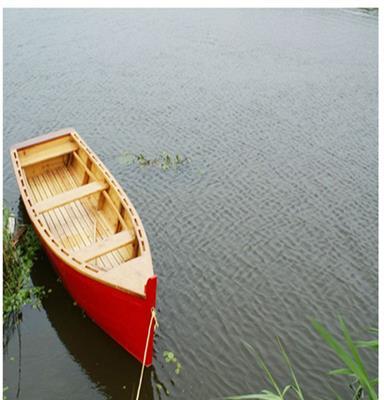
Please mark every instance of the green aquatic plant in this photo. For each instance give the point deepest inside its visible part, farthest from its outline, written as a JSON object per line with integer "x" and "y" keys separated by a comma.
{"x": 19, "y": 254}
{"x": 348, "y": 353}
{"x": 142, "y": 160}
{"x": 276, "y": 392}
{"x": 362, "y": 385}
{"x": 165, "y": 161}
{"x": 161, "y": 388}
{"x": 5, "y": 389}
{"x": 170, "y": 357}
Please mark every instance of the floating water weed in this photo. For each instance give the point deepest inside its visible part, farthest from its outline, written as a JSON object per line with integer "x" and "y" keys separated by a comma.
{"x": 169, "y": 357}
{"x": 165, "y": 161}
{"x": 160, "y": 387}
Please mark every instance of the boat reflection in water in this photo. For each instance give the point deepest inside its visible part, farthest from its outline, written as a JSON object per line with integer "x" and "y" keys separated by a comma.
{"x": 107, "y": 364}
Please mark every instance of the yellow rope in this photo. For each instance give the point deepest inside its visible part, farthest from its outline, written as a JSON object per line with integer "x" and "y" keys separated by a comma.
{"x": 153, "y": 318}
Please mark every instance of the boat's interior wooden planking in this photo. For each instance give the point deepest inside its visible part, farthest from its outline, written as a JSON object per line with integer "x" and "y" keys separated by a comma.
{"x": 83, "y": 211}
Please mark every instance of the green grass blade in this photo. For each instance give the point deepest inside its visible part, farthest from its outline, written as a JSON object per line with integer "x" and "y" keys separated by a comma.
{"x": 341, "y": 371}
{"x": 372, "y": 344}
{"x": 285, "y": 390}
{"x": 346, "y": 358}
{"x": 358, "y": 393}
{"x": 264, "y": 367}
{"x": 264, "y": 395}
{"x": 352, "y": 348}
{"x": 296, "y": 386}
{"x": 362, "y": 376}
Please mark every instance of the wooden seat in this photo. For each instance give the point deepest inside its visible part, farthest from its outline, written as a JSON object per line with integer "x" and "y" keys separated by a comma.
{"x": 70, "y": 196}
{"x": 44, "y": 154}
{"x": 104, "y": 246}
{"x": 131, "y": 275}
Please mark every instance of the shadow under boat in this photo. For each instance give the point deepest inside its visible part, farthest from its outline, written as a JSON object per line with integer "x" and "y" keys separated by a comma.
{"x": 107, "y": 364}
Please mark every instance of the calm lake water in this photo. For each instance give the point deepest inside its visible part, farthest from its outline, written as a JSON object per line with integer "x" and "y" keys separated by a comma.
{"x": 273, "y": 221}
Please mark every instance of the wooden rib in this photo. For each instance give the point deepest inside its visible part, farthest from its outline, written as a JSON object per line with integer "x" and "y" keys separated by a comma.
{"x": 89, "y": 172}
{"x": 47, "y": 154}
{"x": 104, "y": 246}
{"x": 114, "y": 208}
{"x": 71, "y": 195}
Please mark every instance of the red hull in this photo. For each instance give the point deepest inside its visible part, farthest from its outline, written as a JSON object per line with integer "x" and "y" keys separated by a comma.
{"x": 114, "y": 299}
{"x": 122, "y": 315}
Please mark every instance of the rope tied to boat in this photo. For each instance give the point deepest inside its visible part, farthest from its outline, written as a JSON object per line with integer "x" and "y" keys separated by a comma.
{"x": 153, "y": 318}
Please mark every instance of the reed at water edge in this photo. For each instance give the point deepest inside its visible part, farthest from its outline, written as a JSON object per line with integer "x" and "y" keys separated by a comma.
{"x": 361, "y": 384}
{"x": 20, "y": 246}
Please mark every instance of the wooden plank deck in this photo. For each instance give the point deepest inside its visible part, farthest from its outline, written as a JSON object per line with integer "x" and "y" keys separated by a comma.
{"x": 77, "y": 224}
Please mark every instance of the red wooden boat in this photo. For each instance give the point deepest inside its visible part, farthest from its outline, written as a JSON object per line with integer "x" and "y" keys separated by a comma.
{"x": 92, "y": 235}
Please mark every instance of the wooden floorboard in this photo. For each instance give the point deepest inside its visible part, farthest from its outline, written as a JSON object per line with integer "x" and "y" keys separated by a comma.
{"x": 103, "y": 229}
{"x": 68, "y": 218}
{"x": 73, "y": 225}
{"x": 49, "y": 220}
{"x": 86, "y": 220}
{"x": 60, "y": 215}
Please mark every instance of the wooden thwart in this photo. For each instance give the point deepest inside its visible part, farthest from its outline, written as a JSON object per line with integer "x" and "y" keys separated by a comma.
{"x": 47, "y": 154}
{"x": 132, "y": 275}
{"x": 70, "y": 196}
{"x": 104, "y": 246}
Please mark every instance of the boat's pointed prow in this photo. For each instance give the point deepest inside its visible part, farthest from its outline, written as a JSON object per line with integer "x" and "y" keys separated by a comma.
{"x": 150, "y": 289}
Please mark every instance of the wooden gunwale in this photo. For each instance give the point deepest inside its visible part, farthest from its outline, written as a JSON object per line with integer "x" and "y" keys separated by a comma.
{"x": 43, "y": 230}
